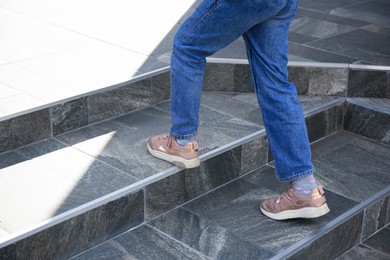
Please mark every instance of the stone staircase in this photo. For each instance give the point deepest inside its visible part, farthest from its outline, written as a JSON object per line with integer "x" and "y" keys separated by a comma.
{"x": 76, "y": 180}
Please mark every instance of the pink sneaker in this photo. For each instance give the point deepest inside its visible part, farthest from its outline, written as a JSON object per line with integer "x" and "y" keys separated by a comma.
{"x": 292, "y": 205}
{"x": 166, "y": 148}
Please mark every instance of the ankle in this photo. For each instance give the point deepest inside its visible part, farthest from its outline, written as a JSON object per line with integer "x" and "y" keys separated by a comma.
{"x": 185, "y": 141}
{"x": 304, "y": 186}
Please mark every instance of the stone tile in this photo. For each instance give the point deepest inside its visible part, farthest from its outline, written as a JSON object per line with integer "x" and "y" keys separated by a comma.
{"x": 298, "y": 52}
{"x": 254, "y": 154}
{"x": 24, "y": 129}
{"x": 376, "y": 29}
{"x": 160, "y": 87}
{"x": 324, "y": 248}
{"x": 375, "y": 12}
{"x": 213, "y": 173}
{"x": 130, "y": 132}
{"x": 324, "y": 5}
{"x": 313, "y": 104}
{"x": 34, "y": 85}
{"x": 243, "y": 106}
{"x": 318, "y": 28}
{"x": 351, "y": 187}
{"x": 208, "y": 237}
{"x": 362, "y": 252}
{"x": 367, "y": 83}
{"x": 119, "y": 101}
{"x": 84, "y": 231}
{"x": 324, "y": 123}
{"x": 331, "y": 143}
{"x": 3, "y": 234}
{"x": 49, "y": 31}
{"x": 19, "y": 103}
{"x": 328, "y": 81}
{"x": 380, "y": 241}
{"x": 376, "y": 217}
{"x": 30, "y": 189}
{"x": 142, "y": 243}
{"x": 300, "y": 76}
{"x": 242, "y": 80}
{"x": 89, "y": 73}
{"x": 153, "y": 62}
{"x": 306, "y": 13}
{"x": 235, "y": 207}
{"x": 9, "y": 252}
{"x": 69, "y": 116}
{"x": 164, "y": 195}
{"x": 367, "y": 122}
{"x": 218, "y": 128}
{"x": 22, "y": 44}
{"x": 358, "y": 44}
{"x": 10, "y": 158}
{"x": 6, "y": 91}
{"x": 85, "y": 171}
{"x": 300, "y": 38}
{"x": 358, "y": 168}
{"x": 235, "y": 50}
{"x": 173, "y": 191}
{"x": 218, "y": 77}
{"x": 124, "y": 213}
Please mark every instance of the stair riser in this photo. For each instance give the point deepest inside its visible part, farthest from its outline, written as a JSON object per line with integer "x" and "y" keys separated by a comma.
{"x": 142, "y": 92}
{"x": 81, "y": 232}
{"x": 358, "y": 227}
{"x": 368, "y": 123}
{"x": 335, "y": 242}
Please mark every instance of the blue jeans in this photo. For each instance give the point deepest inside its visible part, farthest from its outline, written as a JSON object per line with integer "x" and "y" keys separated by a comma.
{"x": 264, "y": 26}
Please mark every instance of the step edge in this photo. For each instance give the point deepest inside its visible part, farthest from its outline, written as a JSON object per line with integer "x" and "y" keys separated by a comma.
{"x": 121, "y": 192}
{"x": 291, "y": 250}
{"x": 368, "y": 105}
{"x": 308, "y": 64}
{"x": 333, "y": 103}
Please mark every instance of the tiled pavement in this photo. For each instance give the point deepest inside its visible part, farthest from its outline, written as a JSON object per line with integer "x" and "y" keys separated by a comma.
{"x": 52, "y": 51}
{"x": 226, "y": 223}
{"x": 111, "y": 155}
{"x": 48, "y": 58}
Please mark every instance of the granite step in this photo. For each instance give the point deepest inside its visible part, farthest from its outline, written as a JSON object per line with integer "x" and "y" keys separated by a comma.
{"x": 93, "y": 183}
{"x": 226, "y": 223}
{"x": 88, "y": 161}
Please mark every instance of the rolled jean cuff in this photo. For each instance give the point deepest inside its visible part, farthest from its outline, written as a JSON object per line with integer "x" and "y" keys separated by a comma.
{"x": 190, "y": 136}
{"x": 296, "y": 176}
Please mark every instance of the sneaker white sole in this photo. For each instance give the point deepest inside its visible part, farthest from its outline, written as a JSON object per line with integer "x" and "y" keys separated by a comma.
{"x": 309, "y": 212}
{"x": 176, "y": 160}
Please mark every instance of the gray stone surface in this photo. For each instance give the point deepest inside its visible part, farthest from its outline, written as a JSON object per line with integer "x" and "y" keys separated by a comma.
{"x": 380, "y": 241}
{"x": 69, "y": 116}
{"x": 234, "y": 208}
{"x": 376, "y": 217}
{"x": 328, "y": 82}
{"x": 25, "y": 129}
{"x": 81, "y": 232}
{"x": 363, "y": 252}
{"x": 320, "y": 247}
{"x": 344, "y": 167}
{"x": 324, "y": 123}
{"x": 372, "y": 48}
{"x": 367, "y": 122}
{"x": 366, "y": 83}
{"x": 142, "y": 243}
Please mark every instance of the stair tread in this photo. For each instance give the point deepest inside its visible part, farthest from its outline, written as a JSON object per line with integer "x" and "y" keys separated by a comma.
{"x": 77, "y": 167}
{"x": 227, "y": 223}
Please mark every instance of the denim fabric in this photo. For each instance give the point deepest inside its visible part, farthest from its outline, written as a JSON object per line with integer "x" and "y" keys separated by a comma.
{"x": 264, "y": 26}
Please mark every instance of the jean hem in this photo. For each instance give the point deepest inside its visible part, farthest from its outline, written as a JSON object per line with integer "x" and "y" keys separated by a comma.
{"x": 190, "y": 136}
{"x": 297, "y": 176}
